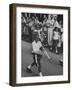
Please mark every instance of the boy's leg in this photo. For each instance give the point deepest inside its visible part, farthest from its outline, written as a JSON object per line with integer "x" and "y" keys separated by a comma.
{"x": 39, "y": 64}
{"x": 36, "y": 61}
{"x": 31, "y": 65}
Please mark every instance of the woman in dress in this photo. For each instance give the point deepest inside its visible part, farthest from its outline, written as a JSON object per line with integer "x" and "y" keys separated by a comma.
{"x": 50, "y": 25}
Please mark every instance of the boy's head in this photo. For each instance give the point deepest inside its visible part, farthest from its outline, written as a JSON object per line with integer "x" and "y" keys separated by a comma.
{"x": 38, "y": 25}
{"x": 36, "y": 37}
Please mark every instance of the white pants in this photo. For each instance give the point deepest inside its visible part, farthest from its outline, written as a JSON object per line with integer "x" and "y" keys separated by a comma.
{"x": 50, "y": 35}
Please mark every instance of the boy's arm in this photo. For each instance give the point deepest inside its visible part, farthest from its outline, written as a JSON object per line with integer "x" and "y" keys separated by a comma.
{"x": 45, "y": 52}
{"x": 41, "y": 48}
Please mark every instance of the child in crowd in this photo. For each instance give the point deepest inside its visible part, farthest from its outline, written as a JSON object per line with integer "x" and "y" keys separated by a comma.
{"x": 37, "y": 54}
{"x": 56, "y": 39}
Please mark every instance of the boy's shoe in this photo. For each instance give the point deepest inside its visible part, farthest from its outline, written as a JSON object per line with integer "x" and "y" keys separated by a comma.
{"x": 56, "y": 52}
{"x": 28, "y": 69}
{"x": 40, "y": 74}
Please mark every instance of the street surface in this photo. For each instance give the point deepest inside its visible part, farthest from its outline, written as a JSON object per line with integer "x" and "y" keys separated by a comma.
{"x": 49, "y": 68}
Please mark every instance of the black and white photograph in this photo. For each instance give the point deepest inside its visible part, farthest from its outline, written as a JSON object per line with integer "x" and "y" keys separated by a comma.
{"x": 41, "y": 44}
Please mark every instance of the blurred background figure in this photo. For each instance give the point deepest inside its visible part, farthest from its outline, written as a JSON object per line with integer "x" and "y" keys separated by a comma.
{"x": 50, "y": 23}
{"x": 56, "y": 39}
{"x": 45, "y": 33}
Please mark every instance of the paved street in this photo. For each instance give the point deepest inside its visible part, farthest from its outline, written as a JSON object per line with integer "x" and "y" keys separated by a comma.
{"x": 48, "y": 68}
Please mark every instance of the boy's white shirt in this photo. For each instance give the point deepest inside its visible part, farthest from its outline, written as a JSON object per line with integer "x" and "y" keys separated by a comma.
{"x": 36, "y": 46}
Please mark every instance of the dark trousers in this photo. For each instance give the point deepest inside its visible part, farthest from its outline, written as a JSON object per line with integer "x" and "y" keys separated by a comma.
{"x": 55, "y": 42}
{"x": 37, "y": 63}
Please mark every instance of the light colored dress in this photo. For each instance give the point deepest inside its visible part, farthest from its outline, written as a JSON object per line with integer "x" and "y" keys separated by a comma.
{"x": 50, "y": 24}
{"x": 39, "y": 33}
